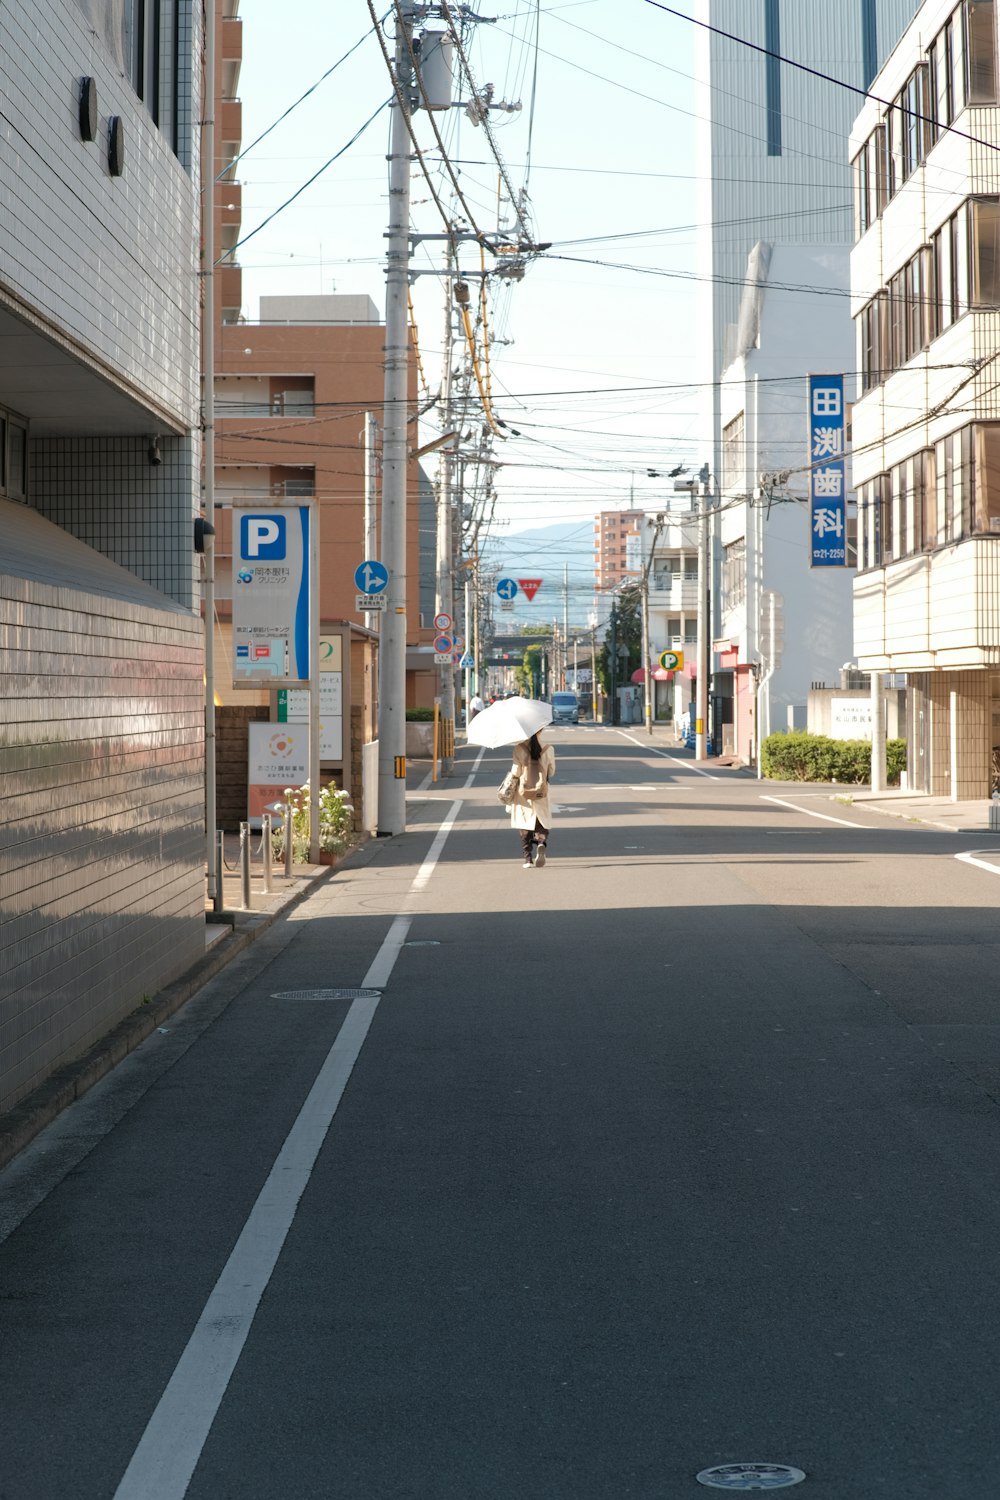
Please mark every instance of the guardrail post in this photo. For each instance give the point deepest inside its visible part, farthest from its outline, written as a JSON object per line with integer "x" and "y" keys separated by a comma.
{"x": 265, "y": 824}
{"x": 219, "y": 901}
{"x": 245, "y": 863}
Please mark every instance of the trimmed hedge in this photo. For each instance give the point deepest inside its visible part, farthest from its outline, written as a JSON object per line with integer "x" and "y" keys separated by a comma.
{"x": 419, "y": 715}
{"x": 799, "y": 756}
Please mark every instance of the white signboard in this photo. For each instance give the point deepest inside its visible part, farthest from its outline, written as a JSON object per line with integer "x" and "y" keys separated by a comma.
{"x": 279, "y": 758}
{"x": 850, "y": 718}
{"x": 271, "y": 596}
{"x": 293, "y": 708}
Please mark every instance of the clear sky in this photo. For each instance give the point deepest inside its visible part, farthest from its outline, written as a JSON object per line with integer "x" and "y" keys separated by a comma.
{"x": 589, "y": 354}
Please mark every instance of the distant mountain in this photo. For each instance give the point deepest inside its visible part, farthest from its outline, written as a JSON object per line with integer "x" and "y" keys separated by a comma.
{"x": 562, "y": 556}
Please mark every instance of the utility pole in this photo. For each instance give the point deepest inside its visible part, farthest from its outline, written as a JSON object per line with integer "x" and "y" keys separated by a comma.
{"x": 213, "y": 873}
{"x": 646, "y": 653}
{"x": 444, "y": 591}
{"x": 371, "y": 532}
{"x": 565, "y": 620}
{"x": 700, "y": 488}
{"x": 701, "y": 711}
{"x": 392, "y": 646}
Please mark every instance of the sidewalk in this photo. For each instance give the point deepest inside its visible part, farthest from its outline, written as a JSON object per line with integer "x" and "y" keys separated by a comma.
{"x": 938, "y": 812}
{"x": 227, "y": 934}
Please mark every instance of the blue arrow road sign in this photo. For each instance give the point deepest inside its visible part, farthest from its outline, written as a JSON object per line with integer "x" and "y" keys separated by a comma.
{"x": 506, "y": 588}
{"x": 371, "y": 577}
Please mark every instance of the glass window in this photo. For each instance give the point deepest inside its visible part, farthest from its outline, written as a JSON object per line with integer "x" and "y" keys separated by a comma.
{"x": 981, "y": 42}
{"x": 984, "y": 252}
{"x": 987, "y": 507}
{"x": 17, "y": 460}
{"x": 894, "y": 355}
{"x": 958, "y": 289}
{"x": 958, "y": 91}
{"x": 943, "y": 96}
{"x": 928, "y": 523}
{"x": 932, "y": 288}
{"x": 881, "y": 153}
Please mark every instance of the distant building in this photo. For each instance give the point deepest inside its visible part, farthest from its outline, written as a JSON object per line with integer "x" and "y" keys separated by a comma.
{"x": 102, "y": 742}
{"x": 612, "y": 531}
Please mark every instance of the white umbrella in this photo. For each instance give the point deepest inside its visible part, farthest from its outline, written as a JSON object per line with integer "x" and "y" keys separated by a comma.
{"x": 508, "y": 722}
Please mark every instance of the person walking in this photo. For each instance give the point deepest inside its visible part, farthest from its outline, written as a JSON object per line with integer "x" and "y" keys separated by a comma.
{"x": 476, "y": 707}
{"x": 531, "y": 811}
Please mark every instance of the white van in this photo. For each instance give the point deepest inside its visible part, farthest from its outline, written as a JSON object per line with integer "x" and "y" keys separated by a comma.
{"x": 565, "y": 708}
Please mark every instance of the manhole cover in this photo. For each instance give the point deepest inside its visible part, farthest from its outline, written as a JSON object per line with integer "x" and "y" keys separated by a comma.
{"x": 326, "y": 995}
{"x": 750, "y": 1477}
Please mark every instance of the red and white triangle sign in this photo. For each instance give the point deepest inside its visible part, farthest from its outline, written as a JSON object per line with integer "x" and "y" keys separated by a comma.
{"x": 529, "y": 586}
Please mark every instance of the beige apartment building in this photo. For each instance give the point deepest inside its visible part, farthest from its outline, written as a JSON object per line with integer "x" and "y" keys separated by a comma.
{"x": 292, "y": 391}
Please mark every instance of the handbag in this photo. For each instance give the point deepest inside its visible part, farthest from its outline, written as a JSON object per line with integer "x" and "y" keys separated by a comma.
{"x": 507, "y": 790}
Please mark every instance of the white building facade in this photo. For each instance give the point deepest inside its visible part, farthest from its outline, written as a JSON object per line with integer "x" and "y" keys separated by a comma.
{"x": 925, "y": 275}
{"x": 784, "y": 625}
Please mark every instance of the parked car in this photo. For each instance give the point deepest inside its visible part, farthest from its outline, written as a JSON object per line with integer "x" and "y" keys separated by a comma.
{"x": 565, "y": 709}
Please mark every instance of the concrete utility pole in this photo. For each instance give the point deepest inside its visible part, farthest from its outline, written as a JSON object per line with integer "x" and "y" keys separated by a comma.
{"x": 646, "y": 653}
{"x": 445, "y": 561}
{"x": 213, "y": 873}
{"x": 701, "y": 710}
{"x": 392, "y": 647}
{"x": 369, "y": 437}
{"x": 700, "y": 487}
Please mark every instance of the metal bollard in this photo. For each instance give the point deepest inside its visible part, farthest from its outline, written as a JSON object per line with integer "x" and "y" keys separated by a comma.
{"x": 265, "y": 826}
{"x": 288, "y": 841}
{"x": 220, "y": 870}
{"x": 245, "y": 863}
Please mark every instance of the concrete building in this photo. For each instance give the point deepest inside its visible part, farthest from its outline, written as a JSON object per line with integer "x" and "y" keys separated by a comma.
{"x": 781, "y": 626}
{"x": 612, "y": 530}
{"x": 775, "y": 206}
{"x": 925, "y": 274}
{"x": 101, "y": 746}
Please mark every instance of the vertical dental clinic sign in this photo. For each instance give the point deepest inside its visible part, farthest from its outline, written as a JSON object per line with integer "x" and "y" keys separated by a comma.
{"x": 271, "y": 618}
{"x": 827, "y": 492}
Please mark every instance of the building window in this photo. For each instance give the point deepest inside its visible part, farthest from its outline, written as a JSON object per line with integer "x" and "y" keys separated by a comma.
{"x": 987, "y": 475}
{"x": 733, "y": 452}
{"x": 772, "y": 75}
{"x": 734, "y": 574}
{"x": 14, "y": 456}
{"x": 984, "y": 252}
{"x": 982, "y": 67}
{"x": 154, "y": 30}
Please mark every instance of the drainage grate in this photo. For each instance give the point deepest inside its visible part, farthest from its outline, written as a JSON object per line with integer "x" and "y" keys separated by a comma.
{"x": 750, "y": 1477}
{"x": 326, "y": 995}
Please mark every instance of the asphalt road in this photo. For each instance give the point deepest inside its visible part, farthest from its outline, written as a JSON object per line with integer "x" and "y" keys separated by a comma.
{"x": 681, "y": 1152}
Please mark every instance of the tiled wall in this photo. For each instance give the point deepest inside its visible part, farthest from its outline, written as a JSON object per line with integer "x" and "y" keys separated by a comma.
{"x": 102, "y": 890}
{"x": 972, "y": 703}
{"x": 110, "y": 261}
{"x": 106, "y": 492}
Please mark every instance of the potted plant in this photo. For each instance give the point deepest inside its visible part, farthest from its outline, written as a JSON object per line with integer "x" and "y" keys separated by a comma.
{"x": 336, "y": 823}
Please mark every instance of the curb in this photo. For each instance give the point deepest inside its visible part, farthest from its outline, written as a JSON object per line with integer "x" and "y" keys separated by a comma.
{"x": 64, "y": 1087}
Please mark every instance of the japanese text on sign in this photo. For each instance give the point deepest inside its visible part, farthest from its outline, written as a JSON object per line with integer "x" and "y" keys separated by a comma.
{"x": 827, "y": 493}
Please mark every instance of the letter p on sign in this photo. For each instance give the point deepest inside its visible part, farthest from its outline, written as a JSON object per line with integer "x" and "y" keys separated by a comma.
{"x": 262, "y": 537}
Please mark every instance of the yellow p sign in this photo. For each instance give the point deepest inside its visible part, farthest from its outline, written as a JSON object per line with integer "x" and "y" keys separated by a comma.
{"x": 671, "y": 661}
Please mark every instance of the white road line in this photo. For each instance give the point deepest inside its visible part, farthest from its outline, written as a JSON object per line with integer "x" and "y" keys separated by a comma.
{"x": 969, "y": 857}
{"x": 810, "y": 814}
{"x": 169, "y": 1449}
{"x": 652, "y": 750}
{"x": 478, "y": 762}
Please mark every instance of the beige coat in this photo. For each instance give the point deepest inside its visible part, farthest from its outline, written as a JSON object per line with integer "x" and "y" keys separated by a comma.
{"x": 523, "y": 811}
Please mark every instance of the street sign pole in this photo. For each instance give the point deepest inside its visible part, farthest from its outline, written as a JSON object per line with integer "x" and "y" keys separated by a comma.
{"x": 314, "y": 726}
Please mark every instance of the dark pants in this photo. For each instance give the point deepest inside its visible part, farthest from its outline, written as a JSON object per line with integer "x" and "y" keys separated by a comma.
{"x": 532, "y": 836}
